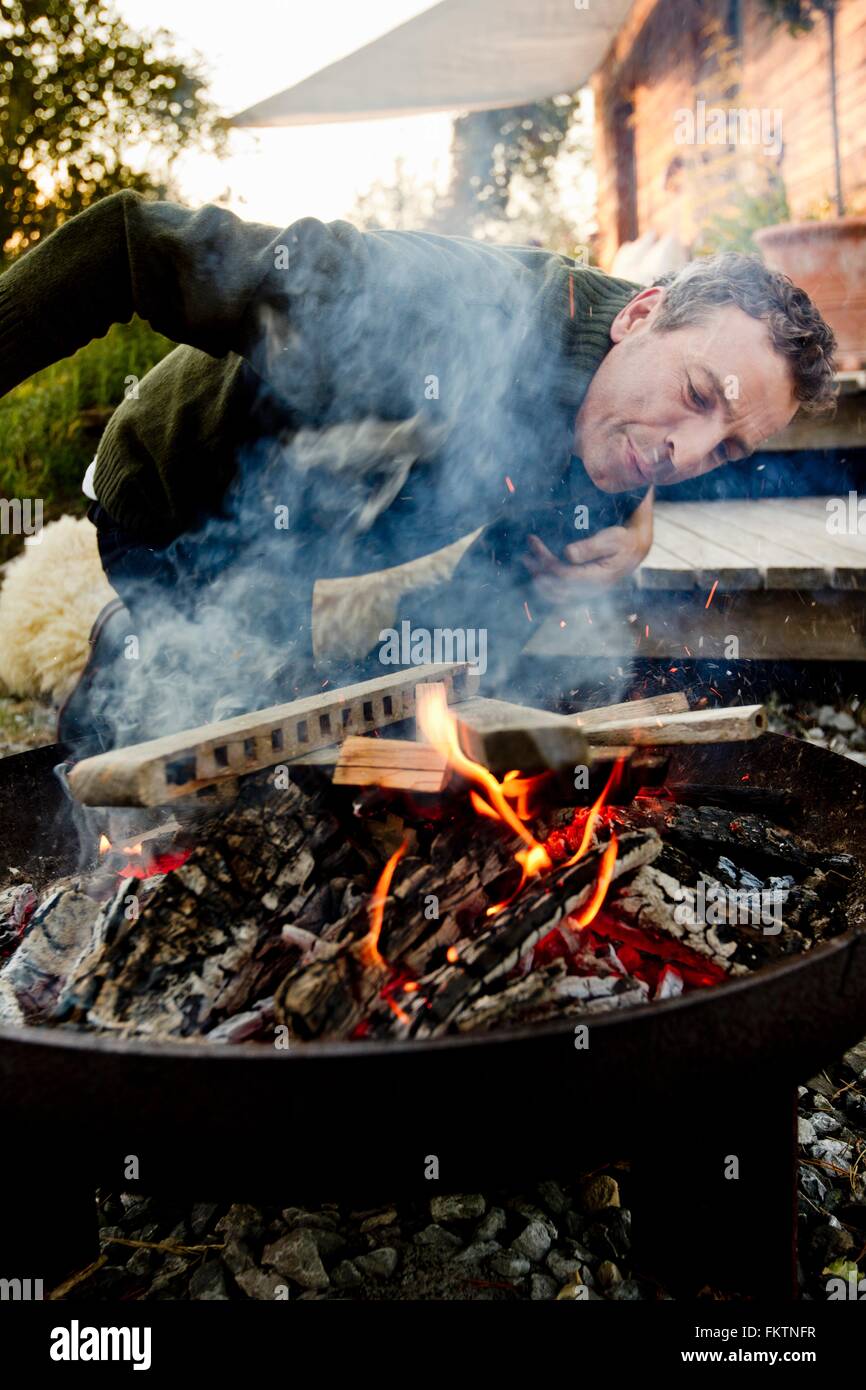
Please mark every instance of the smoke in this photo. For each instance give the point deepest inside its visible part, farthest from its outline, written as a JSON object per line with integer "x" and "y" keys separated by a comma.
{"x": 410, "y": 389}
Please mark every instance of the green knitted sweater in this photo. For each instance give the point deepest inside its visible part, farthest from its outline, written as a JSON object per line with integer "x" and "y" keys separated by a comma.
{"x": 302, "y": 329}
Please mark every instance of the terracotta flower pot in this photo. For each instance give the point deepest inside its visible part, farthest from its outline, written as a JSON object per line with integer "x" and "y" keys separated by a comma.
{"x": 828, "y": 261}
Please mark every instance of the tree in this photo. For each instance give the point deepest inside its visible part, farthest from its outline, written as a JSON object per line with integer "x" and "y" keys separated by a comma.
{"x": 79, "y": 90}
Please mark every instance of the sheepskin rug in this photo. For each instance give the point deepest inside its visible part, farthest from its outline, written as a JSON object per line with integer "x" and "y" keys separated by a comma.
{"x": 54, "y": 590}
{"x": 51, "y": 595}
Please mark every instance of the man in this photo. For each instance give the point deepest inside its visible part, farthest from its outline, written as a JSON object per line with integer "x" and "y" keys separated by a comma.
{"x": 344, "y": 401}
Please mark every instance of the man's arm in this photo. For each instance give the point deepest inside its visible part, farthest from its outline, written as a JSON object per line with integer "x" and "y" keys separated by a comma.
{"x": 598, "y": 562}
{"x": 297, "y": 302}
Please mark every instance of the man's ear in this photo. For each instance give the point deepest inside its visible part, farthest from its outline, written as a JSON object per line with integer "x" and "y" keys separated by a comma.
{"x": 638, "y": 313}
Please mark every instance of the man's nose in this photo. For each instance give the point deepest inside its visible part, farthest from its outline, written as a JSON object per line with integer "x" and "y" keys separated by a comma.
{"x": 692, "y": 446}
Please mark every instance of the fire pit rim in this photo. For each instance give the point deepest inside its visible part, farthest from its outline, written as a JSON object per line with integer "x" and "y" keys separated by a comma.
{"x": 331, "y": 1051}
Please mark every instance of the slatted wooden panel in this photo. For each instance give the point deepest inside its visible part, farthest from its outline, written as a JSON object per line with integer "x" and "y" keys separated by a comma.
{"x": 766, "y": 544}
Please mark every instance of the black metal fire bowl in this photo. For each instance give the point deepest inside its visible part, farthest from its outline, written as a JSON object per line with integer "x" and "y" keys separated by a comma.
{"x": 678, "y": 1086}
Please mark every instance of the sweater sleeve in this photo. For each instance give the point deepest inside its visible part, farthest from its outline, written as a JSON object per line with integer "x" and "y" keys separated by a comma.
{"x": 191, "y": 275}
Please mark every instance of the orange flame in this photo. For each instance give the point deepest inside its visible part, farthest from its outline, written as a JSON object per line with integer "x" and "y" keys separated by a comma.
{"x": 376, "y": 908}
{"x": 589, "y": 913}
{"x": 439, "y": 726}
{"x": 104, "y": 844}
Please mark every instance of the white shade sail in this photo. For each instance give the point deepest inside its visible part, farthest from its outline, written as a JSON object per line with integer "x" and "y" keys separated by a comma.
{"x": 463, "y": 55}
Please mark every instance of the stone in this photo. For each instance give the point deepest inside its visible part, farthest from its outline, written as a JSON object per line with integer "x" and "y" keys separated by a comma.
{"x": 542, "y": 1288}
{"x": 575, "y": 1290}
{"x": 458, "y": 1207}
{"x": 297, "y": 1218}
{"x": 834, "y": 1151}
{"x": 241, "y": 1221}
{"x": 477, "y": 1251}
{"x": 825, "y": 1124}
{"x": 379, "y": 1264}
{"x": 296, "y": 1256}
{"x": 607, "y": 1275}
{"x": 345, "y": 1275}
{"x": 510, "y": 1266}
{"x": 533, "y": 1242}
{"x": 387, "y": 1217}
{"x": 599, "y": 1193}
{"x": 855, "y": 1058}
{"x": 628, "y": 1291}
{"x": 831, "y": 1242}
{"x": 237, "y": 1256}
{"x": 200, "y": 1218}
{"x": 260, "y": 1284}
{"x": 436, "y": 1237}
{"x": 563, "y": 1267}
{"x": 610, "y": 1234}
{"x": 491, "y": 1225}
{"x": 531, "y": 1212}
{"x": 328, "y": 1243}
{"x": 208, "y": 1283}
{"x": 806, "y": 1132}
{"x": 553, "y": 1197}
{"x": 812, "y": 1185}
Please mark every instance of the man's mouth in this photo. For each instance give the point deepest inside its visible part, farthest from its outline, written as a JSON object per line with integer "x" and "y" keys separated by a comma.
{"x": 645, "y": 471}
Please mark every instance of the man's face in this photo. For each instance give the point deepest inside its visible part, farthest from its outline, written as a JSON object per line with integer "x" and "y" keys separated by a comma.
{"x": 665, "y": 406}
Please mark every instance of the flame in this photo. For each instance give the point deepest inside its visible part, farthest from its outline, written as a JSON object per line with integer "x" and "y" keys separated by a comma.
{"x": 104, "y": 844}
{"x": 594, "y": 814}
{"x": 439, "y": 727}
{"x": 376, "y": 908}
{"x": 588, "y": 913}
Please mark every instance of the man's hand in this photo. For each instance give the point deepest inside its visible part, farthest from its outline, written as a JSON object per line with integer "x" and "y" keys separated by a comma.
{"x": 596, "y": 563}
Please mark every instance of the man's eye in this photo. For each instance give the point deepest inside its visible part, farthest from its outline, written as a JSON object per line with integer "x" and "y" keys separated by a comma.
{"x": 695, "y": 396}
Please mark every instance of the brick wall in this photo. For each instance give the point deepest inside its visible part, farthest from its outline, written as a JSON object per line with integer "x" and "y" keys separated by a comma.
{"x": 659, "y": 63}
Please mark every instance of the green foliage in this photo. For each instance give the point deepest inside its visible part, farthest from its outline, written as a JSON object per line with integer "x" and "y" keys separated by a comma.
{"x": 733, "y": 226}
{"x": 50, "y": 425}
{"x": 78, "y": 90}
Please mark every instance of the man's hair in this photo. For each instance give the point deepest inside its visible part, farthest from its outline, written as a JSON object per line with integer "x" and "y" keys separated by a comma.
{"x": 796, "y": 328}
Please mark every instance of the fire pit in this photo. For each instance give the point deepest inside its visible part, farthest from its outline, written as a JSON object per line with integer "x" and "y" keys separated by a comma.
{"x": 413, "y": 1109}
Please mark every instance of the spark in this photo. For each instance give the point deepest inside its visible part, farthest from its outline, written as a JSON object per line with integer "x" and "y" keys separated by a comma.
{"x": 712, "y": 592}
{"x": 509, "y": 484}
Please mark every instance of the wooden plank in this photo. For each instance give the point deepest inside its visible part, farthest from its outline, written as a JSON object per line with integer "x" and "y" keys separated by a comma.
{"x": 663, "y": 570}
{"x": 779, "y": 566}
{"x": 843, "y": 563}
{"x": 674, "y": 702}
{"x": 505, "y": 737}
{"x": 153, "y": 773}
{"x": 397, "y": 764}
{"x": 710, "y": 561}
{"x": 727, "y": 725}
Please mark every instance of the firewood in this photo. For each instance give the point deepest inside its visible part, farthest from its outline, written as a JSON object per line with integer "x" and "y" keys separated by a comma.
{"x": 153, "y": 773}
{"x": 515, "y": 931}
{"x": 346, "y": 989}
{"x": 675, "y": 702}
{"x": 206, "y": 943}
{"x": 503, "y": 737}
{"x": 399, "y": 764}
{"x": 696, "y": 726}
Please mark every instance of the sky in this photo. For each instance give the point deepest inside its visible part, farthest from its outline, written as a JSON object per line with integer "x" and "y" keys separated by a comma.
{"x": 256, "y": 48}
